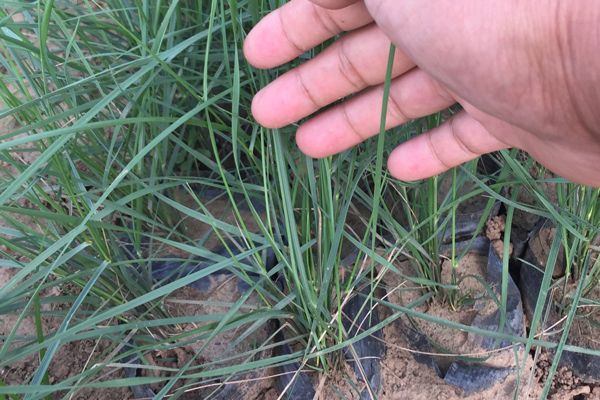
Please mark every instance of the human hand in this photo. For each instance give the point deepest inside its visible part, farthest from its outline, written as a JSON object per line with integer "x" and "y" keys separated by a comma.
{"x": 525, "y": 74}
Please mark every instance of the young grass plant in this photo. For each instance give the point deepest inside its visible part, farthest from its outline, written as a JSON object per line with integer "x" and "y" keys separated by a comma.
{"x": 146, "y": 102}
{"x": 580, "y": 203}
{"x": 130, "y": 127}
{"x": 423, "y": 212}
{"x": 95, "y": 159}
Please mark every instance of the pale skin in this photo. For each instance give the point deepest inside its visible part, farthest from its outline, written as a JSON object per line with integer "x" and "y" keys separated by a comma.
{"x": 527, "y": 74}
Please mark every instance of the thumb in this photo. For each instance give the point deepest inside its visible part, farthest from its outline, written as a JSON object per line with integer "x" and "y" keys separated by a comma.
{"x": 456, "y": 141}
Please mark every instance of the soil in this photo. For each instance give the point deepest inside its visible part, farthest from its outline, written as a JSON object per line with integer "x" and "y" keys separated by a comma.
{"x": 188, "y": 301}
{"x": 540, "y": 245}
{"x": 523, "y": 222}
{"x": 584, "y": 330}
{"x": 70, "y": 359}
{"x": 405, "y": 378}
{"x": 468, "y": 206}
{"x": 424, "y": 383}
{"x": 495, "y": 232}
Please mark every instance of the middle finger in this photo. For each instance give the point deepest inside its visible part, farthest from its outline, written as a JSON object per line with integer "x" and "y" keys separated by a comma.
{"x": 356, "y": 61}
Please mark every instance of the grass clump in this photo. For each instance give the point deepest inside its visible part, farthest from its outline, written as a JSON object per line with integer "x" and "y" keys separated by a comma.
{"x": 132, "y": 149}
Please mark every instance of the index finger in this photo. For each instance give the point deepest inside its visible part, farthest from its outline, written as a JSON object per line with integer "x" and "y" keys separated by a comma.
{"x": 297, "y": 27}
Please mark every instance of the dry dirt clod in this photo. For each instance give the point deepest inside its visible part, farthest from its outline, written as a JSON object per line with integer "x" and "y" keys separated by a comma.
{"x": 494, "y": 231}
{"x": 499, "y": 247}
{"x": 541, "y": 244}
{"x": 565, "y": 384}
{"x": 495, "y": 227}
{"x": 571, "y": 394}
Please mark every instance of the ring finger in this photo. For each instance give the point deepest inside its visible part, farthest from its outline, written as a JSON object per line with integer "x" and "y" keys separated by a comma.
{"x": 412, "y": 95}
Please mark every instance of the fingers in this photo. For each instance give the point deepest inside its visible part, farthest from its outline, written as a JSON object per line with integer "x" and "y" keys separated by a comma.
{"x": 456, "y": 141}
{"x": 354, "y": 62}
{"x": 412, "y": 95}
{"x": 334, "y": 4}
{"x": 297, "y": 27}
